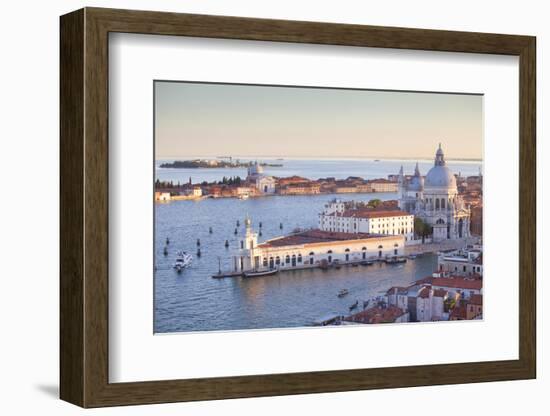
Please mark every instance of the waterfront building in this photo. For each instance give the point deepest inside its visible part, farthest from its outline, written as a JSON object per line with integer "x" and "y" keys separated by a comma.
{"x": 162, "y": 196}
{"x": 383, "y": 185}
{"x": 313, "y": 248}
{"x": 311, "y": 188}
{"x": 337, "y": 216}
{"x": 435, "y": 200}
{"x": 266, "y": 184}
{"x": 194, "y": 191}
{"x": 463, "y": 262}
{"x": 263, "y": 183}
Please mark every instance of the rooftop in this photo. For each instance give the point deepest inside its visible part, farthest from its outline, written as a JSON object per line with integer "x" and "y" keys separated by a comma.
{"x": 476, "y": 300}
{"x": 316, "y": 236}
{"x": 376, "y": 315}
{"x": 457, "y": 283}
{"x": 371, "y": 213}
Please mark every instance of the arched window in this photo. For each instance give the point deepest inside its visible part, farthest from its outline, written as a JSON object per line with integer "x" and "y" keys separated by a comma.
{"x": 329, "y": 252}
{"x": 440, "y": 221}
{"x": 312, "y": 253}
{"x": 437, "y": 203}
{"x": 287, "y": 259}
{"x": 396, "y": 245}
{"x": 347, "y": 250}
{"x": 442, "y": 203}
{"x": 364, "y": 249}
{"x": 299, "y": 258}
{"x": 277, "y": 260}
{"x": 380, "y": 247}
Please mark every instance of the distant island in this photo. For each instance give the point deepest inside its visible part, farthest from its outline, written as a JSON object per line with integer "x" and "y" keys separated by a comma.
{"x": 203, "y": 163}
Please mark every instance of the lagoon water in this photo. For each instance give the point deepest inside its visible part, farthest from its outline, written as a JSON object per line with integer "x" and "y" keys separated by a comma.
{"x": 193, "y": 301}
{"x": 314, "y": 169}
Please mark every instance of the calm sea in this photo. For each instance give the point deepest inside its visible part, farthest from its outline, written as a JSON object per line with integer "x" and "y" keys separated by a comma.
{"x": 193, "y": 301}
{"x": 315, "y": 169}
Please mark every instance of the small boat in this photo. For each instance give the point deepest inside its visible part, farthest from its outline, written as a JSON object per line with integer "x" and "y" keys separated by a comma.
{"x": 258, "y": 273}
{"x": 367, "y": 263}
{"x": 343, "y": 293}
{"x": 377, "y": 160}
{"x": 223, "y": 275}
{"x": 412, "y": 256}
{"x": 354, "y": 264}
{"x": 355, "y": 305}
{"x": 396, "y": 260}
{"x": 183, "y": 260}
{"x": 244, "y": 196}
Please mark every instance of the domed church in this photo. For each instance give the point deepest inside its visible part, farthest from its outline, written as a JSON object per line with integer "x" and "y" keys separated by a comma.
{"x": 435, "y": 200}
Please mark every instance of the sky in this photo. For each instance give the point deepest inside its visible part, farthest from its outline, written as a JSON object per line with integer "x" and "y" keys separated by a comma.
{"x": 209, "y": 120}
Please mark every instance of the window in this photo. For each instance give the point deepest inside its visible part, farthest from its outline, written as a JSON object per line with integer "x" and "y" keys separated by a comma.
{"x": 299, "y": 258}
{"x": 287, "y": 259}
{"x": 277, "y": 260}
{"x": 265, "y": 262}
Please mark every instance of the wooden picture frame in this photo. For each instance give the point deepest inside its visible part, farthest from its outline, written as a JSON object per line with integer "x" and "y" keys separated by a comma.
{"x": 84, "y": 207}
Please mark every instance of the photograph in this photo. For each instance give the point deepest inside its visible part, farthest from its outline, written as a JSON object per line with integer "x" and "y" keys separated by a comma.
{"x": 289, "y": 206}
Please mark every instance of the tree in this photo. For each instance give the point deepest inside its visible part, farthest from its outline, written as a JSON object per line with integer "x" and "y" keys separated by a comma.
{"x": 374, "y": 203}
{"x": 421, "y": 228}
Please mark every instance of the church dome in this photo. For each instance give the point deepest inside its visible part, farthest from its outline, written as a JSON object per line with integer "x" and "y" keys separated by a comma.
{"x": 416, "y": 184}
{"x": 440, "y": 176}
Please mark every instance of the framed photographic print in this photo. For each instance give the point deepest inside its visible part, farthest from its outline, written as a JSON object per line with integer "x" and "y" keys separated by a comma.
{"x": 255, "y": 207}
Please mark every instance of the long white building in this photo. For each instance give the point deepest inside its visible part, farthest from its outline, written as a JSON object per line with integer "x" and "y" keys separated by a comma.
{"x": 339, "y": 216}
{"x": 313, "y": 248}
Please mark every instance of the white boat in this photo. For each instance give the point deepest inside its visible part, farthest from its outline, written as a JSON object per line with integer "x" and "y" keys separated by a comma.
{"x": 258, "y": 273}
{"x": 244, "y": 196}
{"x": 183, "y": 260}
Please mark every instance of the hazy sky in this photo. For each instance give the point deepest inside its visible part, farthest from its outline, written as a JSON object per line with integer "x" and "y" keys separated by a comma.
{"x": 194, "y": 119}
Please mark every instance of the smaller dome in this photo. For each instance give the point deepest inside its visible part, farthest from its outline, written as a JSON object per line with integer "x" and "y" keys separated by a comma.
{"x": 416, "y": 184}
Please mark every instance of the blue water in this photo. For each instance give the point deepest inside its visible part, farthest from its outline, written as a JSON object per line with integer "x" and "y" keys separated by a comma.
{"x": 193, "y": 301}
{"x": 314, "y": 169}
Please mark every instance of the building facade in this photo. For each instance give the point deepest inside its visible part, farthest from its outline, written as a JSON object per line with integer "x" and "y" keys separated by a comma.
{"x": 337, "y": 216}
{"x": 263, "y": 183}
{"x": 313, "y": 248}
{"x": 435, "y": 200}
{"x": 463, "y": 262}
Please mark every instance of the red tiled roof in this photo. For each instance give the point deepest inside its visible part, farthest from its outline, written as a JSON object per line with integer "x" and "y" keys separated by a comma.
{"x": 457, "y": 283}
{"x": 316, "y": 236}
{"x": 376, "y": 315}
{"x": 476, "y": 299}
{"x": 380, "y": 180}
{"x": 458, "y": 312}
